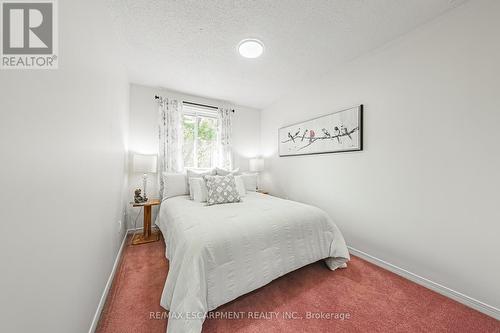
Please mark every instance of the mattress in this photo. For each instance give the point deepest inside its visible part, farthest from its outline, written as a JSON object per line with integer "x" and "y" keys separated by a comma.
{"x": 218, "y": 253}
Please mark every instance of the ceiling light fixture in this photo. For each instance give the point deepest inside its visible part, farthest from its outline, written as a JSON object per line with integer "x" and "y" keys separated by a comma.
{"x": 251, "y": 48}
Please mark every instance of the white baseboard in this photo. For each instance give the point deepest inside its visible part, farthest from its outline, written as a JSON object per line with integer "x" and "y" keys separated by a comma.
{"x": 105, "y": 292}
{"x": 455, "y": 295}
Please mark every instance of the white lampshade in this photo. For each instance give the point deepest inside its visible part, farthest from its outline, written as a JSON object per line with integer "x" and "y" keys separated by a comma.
{"x": 256, "y": 164}
{"x": 144, "y": 163}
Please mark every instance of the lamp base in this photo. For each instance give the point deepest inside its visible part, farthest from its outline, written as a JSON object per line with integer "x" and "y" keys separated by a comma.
{"x": 144, "y": 183}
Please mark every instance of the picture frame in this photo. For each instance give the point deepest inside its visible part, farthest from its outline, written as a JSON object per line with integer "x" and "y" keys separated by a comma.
{"x": 335, "y": 132}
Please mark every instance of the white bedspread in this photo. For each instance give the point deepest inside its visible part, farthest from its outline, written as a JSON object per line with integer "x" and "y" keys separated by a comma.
{"x": 218, "y": 253}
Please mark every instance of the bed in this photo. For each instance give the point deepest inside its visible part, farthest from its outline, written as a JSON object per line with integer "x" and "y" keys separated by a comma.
{"x": 218, "y": 253}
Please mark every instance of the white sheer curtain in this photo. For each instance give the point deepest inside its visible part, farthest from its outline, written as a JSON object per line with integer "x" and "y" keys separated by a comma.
{"x": 224, "y": 149}
{"x": 170, "y": 137}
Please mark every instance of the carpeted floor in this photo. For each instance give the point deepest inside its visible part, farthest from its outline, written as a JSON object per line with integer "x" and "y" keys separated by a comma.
{"x": 361, "y": 298}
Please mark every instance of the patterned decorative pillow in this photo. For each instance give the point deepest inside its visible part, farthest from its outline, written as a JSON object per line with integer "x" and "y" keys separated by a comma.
{"x": 221, "y": 189}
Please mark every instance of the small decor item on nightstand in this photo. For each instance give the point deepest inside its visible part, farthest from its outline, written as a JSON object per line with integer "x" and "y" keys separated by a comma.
{"x": 138, "y": 198}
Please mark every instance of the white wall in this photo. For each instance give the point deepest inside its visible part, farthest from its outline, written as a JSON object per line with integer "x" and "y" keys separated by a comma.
{"x": 423, "y": 195}
{"x": 143, "y": 135}
{"x": 63, "y": 151}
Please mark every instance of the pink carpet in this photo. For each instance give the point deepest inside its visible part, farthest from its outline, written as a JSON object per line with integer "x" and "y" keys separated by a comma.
{"x": 369, "y": 298}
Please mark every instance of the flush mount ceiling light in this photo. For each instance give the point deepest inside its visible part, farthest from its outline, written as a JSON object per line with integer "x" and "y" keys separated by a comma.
{"x": 251, "y": 48}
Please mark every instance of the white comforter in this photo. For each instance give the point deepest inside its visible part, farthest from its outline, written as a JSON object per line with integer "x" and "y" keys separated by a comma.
{"x": 220, "y": 252}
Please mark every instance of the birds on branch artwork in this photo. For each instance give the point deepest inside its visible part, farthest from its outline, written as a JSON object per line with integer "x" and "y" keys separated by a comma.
{"x": 340, "y": 134}
{"x": 340, "y": 131}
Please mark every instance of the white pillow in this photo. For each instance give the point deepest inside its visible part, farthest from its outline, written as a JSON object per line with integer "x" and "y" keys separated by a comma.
{"x": 198, "y": 189}
{"x": 240, "y": 185}
{"x": 224, "y": 172}
{"x": 191, "y": 173}
{"x": 250, "y": 180}
{"x": 175, "y": 184}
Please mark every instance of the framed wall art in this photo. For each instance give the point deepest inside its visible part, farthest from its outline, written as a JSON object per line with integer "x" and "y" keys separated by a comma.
{"x": 336, "y": 132}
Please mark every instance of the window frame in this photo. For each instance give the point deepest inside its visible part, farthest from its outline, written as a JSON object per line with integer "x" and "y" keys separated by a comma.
{"x": 199, "y": 111}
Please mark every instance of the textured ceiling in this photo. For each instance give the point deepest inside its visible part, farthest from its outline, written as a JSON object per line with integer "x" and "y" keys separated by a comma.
{"x": 190, "y": 46}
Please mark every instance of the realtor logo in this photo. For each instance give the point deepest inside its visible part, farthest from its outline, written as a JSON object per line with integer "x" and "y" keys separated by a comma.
{"x": 29, "y": 34}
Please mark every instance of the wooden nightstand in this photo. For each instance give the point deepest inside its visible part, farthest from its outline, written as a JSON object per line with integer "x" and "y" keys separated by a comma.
{"x": 147, "y": 235}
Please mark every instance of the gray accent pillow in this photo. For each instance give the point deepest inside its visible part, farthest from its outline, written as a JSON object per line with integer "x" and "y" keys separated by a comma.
{"x": 221, "y": 189}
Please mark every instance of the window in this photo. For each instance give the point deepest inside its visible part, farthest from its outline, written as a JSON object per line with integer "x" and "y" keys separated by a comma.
{"x": 200, "y": 136}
